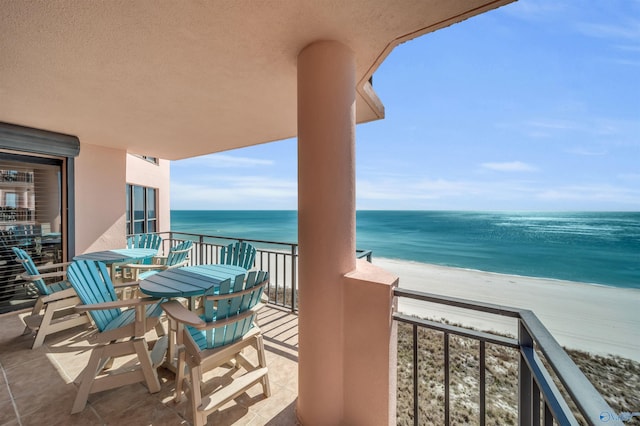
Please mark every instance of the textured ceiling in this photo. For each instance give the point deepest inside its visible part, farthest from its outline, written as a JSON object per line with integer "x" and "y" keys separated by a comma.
{"x": 179, "y": 78}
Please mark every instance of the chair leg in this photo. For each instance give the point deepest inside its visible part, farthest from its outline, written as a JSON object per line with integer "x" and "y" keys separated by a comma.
{"x": 39, "y": 340}
{"x": 43, "y": 330}
{"x": 88, "y": 376}
{"x": 150, "y": 373}
{"x": 195, "y": 394}
{"x": 35, "y": 311}
{"x": 180, "y": 375}
{"x": 262, "y": 361}
{"x": 160, "y": 329}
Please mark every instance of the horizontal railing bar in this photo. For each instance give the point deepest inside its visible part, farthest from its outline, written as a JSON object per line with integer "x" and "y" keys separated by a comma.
{"x": 458, "y": 303}
{"x": 460, "y": 331}
{"x": 589, "y": 401}
{"x": 552, "y": 396}
{"x": 220, "y": 237}
{"x": 361, "y": 254}
{"x": 279, "y": 258}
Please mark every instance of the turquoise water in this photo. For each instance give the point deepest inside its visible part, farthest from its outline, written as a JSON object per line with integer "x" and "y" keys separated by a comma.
{"x": 592, "y": 247}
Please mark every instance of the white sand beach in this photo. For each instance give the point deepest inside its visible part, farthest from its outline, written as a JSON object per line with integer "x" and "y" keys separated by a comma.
{"x": 593, "y": 318}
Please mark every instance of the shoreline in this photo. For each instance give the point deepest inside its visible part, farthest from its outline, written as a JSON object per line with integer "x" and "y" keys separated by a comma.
{"x": 515, "y": 276}
{"x": 594, "y": 318}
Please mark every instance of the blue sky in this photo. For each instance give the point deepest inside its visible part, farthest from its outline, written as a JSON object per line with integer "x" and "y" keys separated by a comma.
{"x": 534, "y": 106}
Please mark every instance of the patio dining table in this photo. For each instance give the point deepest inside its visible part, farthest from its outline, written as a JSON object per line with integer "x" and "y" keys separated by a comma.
{"x": 189, "y": 282}
{"x": 116, "y": 257}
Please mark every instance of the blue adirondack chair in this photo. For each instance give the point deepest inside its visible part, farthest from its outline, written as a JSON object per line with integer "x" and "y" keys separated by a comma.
{"x": 119, "y": 332}
{"x": 150, "y": 241}
{"x": 54, "y": 309}
{"x": 178, "y": 256}
{"x": 153, "y": 241}
{"x": 239, "y": 254}
{"x": 206, "y": 342}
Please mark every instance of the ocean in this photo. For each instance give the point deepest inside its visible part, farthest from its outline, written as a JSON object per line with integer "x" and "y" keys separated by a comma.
{"x": 590, "y": 247}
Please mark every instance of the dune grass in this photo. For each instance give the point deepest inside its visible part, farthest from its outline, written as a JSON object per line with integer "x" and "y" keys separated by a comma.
{"x": 616, "y": 378}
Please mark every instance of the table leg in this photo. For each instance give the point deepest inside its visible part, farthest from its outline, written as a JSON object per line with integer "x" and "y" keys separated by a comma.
{"x": 171, "y": 362}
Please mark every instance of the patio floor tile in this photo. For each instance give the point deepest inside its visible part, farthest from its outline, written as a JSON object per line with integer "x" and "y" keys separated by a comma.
{"x": 37, "y": 386}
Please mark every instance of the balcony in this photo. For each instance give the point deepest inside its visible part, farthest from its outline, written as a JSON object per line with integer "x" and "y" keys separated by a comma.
{"x": 547, "y": 386}
{"x": 36, "y": 386}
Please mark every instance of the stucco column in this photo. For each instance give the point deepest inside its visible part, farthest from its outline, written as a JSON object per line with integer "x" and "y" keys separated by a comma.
{"x": 326, "y": 223}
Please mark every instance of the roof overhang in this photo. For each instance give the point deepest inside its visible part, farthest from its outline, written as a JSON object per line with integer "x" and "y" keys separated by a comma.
{"x": 176, "y": 79}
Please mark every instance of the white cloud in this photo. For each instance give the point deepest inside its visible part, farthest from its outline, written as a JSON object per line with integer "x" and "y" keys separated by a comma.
{"x": 585, "y": 126}
{"x": 587, "y": 152}
{"x": 422, "y": 193}
{"x": 535, "y": 10}
{"x": 630, "y": 176}
{"x": 629, "y": 30}
{"x": 552, "y": 124}
{"x": 248, "y": 192}
{"x": 427, "y": 194}
{"x": 410, "y": 192}
{"x": 593, "y": 193}
{"x": 510, "y": 166}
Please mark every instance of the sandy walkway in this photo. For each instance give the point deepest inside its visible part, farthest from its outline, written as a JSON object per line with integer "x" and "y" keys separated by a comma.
{"x": 597, "y": 319}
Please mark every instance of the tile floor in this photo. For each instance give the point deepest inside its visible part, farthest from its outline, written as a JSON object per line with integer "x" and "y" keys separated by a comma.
{"x": 37, "y": 386}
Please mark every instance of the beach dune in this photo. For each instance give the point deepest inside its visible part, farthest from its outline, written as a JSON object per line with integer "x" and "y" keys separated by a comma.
{"x": 593, "y": 318}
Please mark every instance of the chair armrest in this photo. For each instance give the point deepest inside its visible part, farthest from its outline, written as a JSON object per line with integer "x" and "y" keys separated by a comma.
{"x": 142, "y": 267}
{"x": 224, "y": 296}
{"x": 53, "y": 265}
{"x": 179, "y": 313}
{"x": 27, "y": 277}
{"x": 59, "y": 295}
{"x": 117, "y": 304}
{"x": 177, "y": 265}
{"x": 125, "y": 284}
{"x": 45, "y": 266}
{"x": 230, "y": 320}
{"x": 159, "y": 260}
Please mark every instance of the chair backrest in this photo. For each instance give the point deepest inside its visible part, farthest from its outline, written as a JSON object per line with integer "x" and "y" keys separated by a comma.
{"x": 150, "y": 241}
{"x": 31, "y": 269}
{"x": 91, "y": 281}
{"x": 239, "y": 254}
{"x": 178, "y": 254}
{"x": 233, "y": 299}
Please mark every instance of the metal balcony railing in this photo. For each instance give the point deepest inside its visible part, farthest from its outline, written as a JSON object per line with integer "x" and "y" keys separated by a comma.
{"x": 540, "y": 401}
{"x": 279, "y": 258}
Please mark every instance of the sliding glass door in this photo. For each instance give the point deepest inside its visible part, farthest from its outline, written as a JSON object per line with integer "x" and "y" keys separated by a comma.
{"x": 31, "y": 218}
